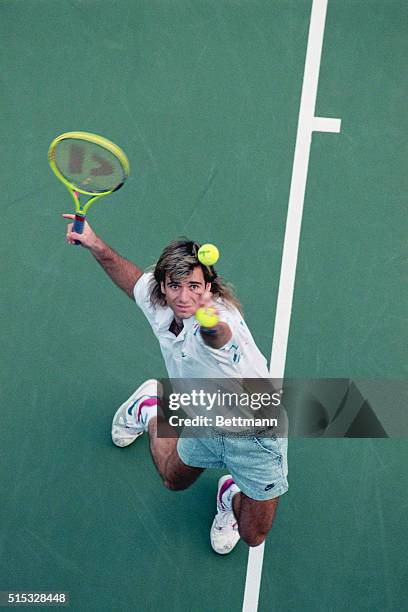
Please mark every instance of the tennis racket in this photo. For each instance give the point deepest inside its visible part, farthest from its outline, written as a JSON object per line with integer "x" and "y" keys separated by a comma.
{"x": 87, "y": 164}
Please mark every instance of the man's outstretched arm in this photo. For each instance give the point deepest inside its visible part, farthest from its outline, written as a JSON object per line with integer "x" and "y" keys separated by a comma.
{"x": 123, "y": 272}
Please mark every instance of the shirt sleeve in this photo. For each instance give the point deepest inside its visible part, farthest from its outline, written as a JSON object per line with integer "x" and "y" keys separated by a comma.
{"x": 141, "y": 292}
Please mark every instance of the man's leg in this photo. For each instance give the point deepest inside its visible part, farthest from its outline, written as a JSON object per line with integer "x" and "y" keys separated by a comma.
{"x": 254, "y": 517}
{"x": 176, "y": 475}
{"x": 258, "y": 467}
{"x": 138, "y": 414}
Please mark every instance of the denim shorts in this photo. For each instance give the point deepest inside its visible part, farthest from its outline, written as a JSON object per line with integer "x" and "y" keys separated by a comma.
{"x": 258, "y": 465}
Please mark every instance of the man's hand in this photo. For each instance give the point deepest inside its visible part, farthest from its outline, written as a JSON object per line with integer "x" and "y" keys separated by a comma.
{"x": 88, "y": 238}
{"x": 207, "y": 301}
{"x": 221, "y": 334}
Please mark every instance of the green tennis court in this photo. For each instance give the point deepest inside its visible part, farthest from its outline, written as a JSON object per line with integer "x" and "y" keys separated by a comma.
{"x": 203, "y": 96}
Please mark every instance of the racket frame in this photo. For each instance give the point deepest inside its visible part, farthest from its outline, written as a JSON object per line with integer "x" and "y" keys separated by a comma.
{"x": 81, "y": 211}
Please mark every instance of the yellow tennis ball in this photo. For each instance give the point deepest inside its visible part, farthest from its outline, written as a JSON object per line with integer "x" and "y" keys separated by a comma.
{"x": 207, "y": 317}
{"x": 208, "y": 254}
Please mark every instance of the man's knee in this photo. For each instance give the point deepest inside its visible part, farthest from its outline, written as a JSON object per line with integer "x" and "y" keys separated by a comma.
{"x": 255, "y": 519}
{"x": 177, "y": 476}
{"x": 253, "y": 538}
{"x": 175, "y": 485}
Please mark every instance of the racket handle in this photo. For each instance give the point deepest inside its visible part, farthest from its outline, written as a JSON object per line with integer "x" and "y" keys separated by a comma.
{"x": 78, "y": 226}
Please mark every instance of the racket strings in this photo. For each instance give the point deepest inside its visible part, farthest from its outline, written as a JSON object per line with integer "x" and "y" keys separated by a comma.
{"x": 88, "y": 166}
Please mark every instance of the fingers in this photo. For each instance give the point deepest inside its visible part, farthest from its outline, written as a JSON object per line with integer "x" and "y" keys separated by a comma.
{"x": 71, "y": 237}
{"x": 86, "y": 239}
{"x": 69, "y": 232}
{"x": 206, "y": 299}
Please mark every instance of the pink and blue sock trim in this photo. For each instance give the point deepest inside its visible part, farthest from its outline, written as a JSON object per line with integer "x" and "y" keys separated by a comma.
{"x": 149, "y": 401}
{"x": 225, "y": 486}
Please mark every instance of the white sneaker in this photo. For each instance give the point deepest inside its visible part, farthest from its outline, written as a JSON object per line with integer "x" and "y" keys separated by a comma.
{"x": 130, "y": 421}
{"x": 224, "y": 533}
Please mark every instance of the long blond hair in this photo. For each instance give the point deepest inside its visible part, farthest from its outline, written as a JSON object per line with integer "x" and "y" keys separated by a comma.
{"x": 179, "y": 259}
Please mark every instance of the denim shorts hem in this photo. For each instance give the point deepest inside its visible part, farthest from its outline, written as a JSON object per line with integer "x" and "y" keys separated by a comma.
{"x": 191, "y": 462}
{"x": 259, "y": 495}
{"x": 258, "y": 466}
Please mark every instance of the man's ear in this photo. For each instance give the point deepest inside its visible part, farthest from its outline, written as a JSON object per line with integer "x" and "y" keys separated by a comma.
{"x": 208, "y": 287}
{"x": 162, "y": 287}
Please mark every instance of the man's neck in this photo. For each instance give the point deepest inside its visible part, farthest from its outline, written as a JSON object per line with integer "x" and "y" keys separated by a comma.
{"x": 176, "y": 326}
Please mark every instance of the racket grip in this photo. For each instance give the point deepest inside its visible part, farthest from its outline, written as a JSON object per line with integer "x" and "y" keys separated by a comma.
{"x": 78, "y": 226}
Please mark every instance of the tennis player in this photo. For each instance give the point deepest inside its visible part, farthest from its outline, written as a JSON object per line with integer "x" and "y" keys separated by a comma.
{"x": 248, "y": 496}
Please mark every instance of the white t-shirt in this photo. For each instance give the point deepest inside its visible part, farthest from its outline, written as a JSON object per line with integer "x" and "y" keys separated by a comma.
{"x": 187, "y": 356}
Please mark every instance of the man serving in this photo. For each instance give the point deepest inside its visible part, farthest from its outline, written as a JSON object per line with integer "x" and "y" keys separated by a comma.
{"x": 169, "y": 297}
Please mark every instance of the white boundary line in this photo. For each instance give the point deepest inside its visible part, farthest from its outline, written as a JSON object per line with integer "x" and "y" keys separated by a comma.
{"x": 307, "y": 124}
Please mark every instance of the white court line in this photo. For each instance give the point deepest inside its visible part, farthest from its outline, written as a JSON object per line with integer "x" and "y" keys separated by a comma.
{"x": 307, "y": 124}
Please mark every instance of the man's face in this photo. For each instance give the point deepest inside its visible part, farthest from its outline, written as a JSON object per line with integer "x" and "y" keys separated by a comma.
{"x": 184, "y": 294}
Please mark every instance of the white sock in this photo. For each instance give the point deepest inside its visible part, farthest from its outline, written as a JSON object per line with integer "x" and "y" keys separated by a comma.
{"x": 227, "y": 495}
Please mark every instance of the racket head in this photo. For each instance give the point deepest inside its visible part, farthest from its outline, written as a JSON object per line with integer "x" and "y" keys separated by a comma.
{"x": 88, "y": 163}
